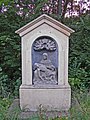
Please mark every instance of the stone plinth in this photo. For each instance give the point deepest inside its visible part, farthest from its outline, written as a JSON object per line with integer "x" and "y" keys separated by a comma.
{"x": 52, "y": 98}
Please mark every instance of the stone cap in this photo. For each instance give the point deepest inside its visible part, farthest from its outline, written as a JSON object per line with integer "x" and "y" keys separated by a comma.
{"x": 44, "y": 19}
{"x": 45, "y": 86}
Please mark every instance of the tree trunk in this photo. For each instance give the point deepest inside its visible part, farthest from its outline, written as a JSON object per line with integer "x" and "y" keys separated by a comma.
{"x": 65, "y": 8}
{"x": 59, "y": 7}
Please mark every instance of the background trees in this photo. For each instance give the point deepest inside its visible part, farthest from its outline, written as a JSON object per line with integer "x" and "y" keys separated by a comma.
{"x": 66, "y": 8}
{"x": 17, "y": 13}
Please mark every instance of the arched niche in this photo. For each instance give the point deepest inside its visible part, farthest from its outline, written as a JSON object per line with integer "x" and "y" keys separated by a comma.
{"x": 41, "y": 45}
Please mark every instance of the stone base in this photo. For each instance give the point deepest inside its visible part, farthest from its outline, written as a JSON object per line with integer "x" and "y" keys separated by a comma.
{"x": 31, "y": 115}
{"x": 50, "y": 98}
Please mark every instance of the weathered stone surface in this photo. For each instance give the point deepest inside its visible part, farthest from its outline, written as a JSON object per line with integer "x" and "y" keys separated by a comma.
{"x": 52, "y": 98}
{"x": 45, "y": 72}
{"x": 44, "y": 43}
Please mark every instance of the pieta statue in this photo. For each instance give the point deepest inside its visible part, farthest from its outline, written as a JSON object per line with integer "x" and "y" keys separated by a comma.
{"x": 44, "y": 71}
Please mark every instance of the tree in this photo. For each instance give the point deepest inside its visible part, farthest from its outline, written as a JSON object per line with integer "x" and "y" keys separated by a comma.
{"x": 67, "y": 7}
{"x": 75, "y": 7}
{"x": 20, "y": 13}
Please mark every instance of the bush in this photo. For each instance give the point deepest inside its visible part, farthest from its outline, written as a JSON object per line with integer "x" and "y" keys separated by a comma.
{"x": 10, "y": 51}
{"x": 4, "y": 105}
{"x": 79, "y": 60}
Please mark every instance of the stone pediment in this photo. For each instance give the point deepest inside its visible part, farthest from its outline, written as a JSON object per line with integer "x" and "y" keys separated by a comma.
{"x": 44, "y": 19}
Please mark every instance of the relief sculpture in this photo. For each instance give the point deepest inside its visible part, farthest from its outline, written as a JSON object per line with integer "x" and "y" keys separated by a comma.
{"x": 45, "y": 44}
{"x": 44, "y": 71}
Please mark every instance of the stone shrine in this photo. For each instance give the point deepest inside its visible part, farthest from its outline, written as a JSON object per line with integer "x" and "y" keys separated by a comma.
{"x": 45, "y": 43}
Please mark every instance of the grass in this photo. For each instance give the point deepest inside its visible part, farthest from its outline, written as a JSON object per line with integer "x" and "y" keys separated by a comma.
{"x": 80, "y": 109}
{"x": 4, "y": 105}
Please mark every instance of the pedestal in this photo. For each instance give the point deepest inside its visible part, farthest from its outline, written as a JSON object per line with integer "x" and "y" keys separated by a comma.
{"x": 52, "y": 98}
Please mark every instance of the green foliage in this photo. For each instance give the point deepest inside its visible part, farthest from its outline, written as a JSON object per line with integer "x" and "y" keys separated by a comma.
{"x": 10, "y": 50}
{"x": 79, "y": 60}
{"x": 10, "y": 62}
{"x": 3, "y": 86}
{"x": 6, "y": 114}
{"x": 80, "y": 106}
{"x": 80, "y": 109}
{"x": 6, "y": 2}
{"x": 4, "y": 105}
{"x": 10, "y": 73}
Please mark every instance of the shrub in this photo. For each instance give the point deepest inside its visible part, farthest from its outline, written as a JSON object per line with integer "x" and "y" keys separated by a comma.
{"x": 10, "y": 50}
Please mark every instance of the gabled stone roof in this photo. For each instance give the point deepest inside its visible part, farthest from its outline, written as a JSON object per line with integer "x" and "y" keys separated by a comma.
{"x": 44, "y": 19}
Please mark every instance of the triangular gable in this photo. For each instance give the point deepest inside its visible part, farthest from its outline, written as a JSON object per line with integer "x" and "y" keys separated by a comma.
{"x": 44, "y": 19}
